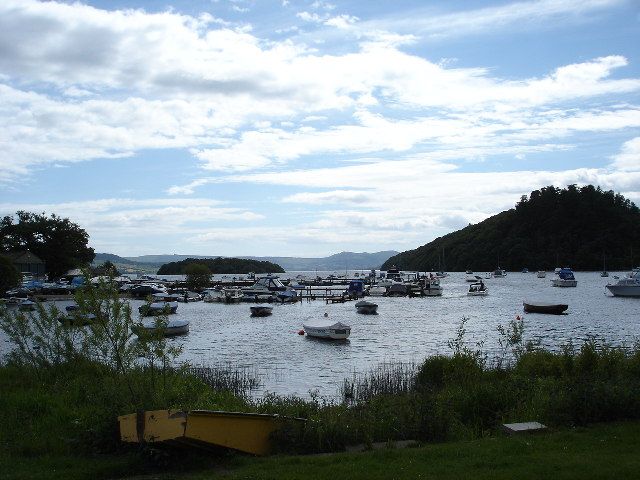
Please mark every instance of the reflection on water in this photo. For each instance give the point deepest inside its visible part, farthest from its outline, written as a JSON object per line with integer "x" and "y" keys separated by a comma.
{"x": 405, "y": 329}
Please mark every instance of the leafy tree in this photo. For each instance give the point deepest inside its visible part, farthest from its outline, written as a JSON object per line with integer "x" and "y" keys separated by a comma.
{"x": 107, "y": 268}
{"x": 10, "y": 277}
{"x": 198, "y": 276}
{"x": 59, "y": 242}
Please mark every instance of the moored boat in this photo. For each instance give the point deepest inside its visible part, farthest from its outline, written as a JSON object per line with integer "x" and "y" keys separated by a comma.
{"x": 367, "y": 308}
{"x": 626, "y": 287}
{"x": 327, "y": 330}
{"x": 158, "y": 308}
{"x": 478, "y": 289}
{"x": 77, "y": 319}
{"x": 172, "y": 328}
{"x": 564, "y": 278}
{"x": 432, "y": 287}
{"x": 541, "y": 274}
{"x": 377, "y": 291}
{"x": 534, "y": 306}
{"x": 260, "y": 310}
{"x": 26, "y": 306}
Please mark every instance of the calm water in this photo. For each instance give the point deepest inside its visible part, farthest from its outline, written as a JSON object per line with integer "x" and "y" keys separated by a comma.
{"x": 405, "y": 329}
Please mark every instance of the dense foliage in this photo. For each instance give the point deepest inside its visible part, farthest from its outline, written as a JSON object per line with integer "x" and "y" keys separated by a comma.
{"x": 579, "y": 227}
{"x": 221, "y": 265}
{"x": 9, "y": 276}
{"x": 198, "y": 276}
{"x": 59, "y": 242}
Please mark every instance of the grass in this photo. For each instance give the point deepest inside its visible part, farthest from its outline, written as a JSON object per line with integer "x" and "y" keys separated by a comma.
{"x": 601, "y": 451}
{"x": 598, "y": 452}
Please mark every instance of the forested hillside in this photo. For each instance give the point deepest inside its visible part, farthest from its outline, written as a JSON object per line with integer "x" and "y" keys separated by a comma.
{"x": 575, "y": 226}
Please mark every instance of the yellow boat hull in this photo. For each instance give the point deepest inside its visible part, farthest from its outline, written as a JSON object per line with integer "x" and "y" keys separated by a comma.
{"x": 246, "y": 432}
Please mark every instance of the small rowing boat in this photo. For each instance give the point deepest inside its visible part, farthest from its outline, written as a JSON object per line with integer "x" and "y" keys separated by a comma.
{"x": 544, "y": 307}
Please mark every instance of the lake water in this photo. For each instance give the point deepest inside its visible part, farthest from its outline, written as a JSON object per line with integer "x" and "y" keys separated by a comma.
{"x": 405, "y": 329}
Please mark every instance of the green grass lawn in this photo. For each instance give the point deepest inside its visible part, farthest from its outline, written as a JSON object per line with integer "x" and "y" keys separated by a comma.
{"x": 599, "y": 452}
{"x": 605, "y": 451}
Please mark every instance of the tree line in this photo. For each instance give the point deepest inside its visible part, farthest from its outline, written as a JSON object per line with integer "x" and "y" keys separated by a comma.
{"x": 221, "y": 265}
{"x": 580, "y": 227}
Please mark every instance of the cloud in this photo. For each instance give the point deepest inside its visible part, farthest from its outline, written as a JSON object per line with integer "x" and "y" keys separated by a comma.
{"x": 357, "y": 197}
{"x": 520, "y": 15}
{"x": 133, "y": 80}
{"x": 628, "y": 159}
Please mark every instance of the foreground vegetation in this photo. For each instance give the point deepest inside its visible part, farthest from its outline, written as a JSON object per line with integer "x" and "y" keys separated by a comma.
{"x": 64, "y": 387}
{"x": 576, "y": 227}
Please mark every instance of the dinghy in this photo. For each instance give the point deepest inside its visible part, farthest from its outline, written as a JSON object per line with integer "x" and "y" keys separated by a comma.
{"x": 531, "y": 306}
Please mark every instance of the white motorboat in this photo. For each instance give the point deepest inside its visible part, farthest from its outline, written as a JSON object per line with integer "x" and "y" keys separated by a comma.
{"x": 564, "y": 278}
{"x": 327, "y": 330}
{"x": 377, "y": 291}
{"x": 541, "y": 274}
{"x": 442, "y": 274}
{"x": 432, "y": 287}
{"x": 626, "y": 287}
{"x": 260, "y": 310}
{"x": 394, "y": 274}
{"x": 232, "y": 295}
{"x": 367, "y": 308}
{"x": 478, "y": 289}
{"x": 499, "y": 273}
{"x": 265, "y": 285}
{"x": 173, "y": 327}
{"x": 471, "y": 278}
{"x": 212, "y": 295}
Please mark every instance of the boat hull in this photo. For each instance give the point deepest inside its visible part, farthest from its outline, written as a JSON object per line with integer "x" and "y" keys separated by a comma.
{"x": 624, "y": 290}
{"x": 551, "y": 309}
{"x": 327, "y": 333}
{"x": 558, "y": 282}
{"x": 260, "y": 311}
{"x": 367, "y": 310}
{"x": 246, "y": 432}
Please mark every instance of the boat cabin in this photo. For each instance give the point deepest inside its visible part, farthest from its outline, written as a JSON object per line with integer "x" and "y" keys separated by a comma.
{"x": 394, "y": 274}
{"x": 269, "y": 282}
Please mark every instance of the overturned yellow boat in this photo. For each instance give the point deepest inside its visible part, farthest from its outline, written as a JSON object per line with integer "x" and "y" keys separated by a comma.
{"x": 246, "y": 432}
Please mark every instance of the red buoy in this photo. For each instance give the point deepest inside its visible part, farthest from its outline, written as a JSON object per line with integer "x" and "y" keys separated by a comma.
{"x": 517, "y": 317}
{"x": 300, "y": 332}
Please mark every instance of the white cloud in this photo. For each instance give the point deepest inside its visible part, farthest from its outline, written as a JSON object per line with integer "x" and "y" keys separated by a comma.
{"x": 341, "y": 21}
{"x": 310, "y": 17}
{"x": 628, "y": 159}
{"x": 520, "y": 15}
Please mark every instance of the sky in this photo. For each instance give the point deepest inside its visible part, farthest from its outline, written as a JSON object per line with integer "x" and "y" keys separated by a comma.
{"x": 309, "y": 127}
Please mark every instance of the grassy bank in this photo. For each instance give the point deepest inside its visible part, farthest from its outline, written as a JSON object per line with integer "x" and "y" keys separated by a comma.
{"x": 601, "y": 451}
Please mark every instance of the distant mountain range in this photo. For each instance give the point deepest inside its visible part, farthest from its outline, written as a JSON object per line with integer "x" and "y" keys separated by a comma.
{"x": 339, "y": 261}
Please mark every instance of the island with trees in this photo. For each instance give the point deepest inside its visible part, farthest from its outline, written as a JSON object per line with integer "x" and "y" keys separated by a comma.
{"x": 580, "y": 227}
{"x": 221, "y": 265}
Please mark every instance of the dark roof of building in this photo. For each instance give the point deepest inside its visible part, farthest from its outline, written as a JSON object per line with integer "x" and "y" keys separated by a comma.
{"x": 23, "y": 256}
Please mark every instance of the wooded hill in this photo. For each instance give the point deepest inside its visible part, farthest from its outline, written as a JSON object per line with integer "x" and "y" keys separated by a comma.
{"x": 576, "y": 227}
{"x": 221, "y": 265}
